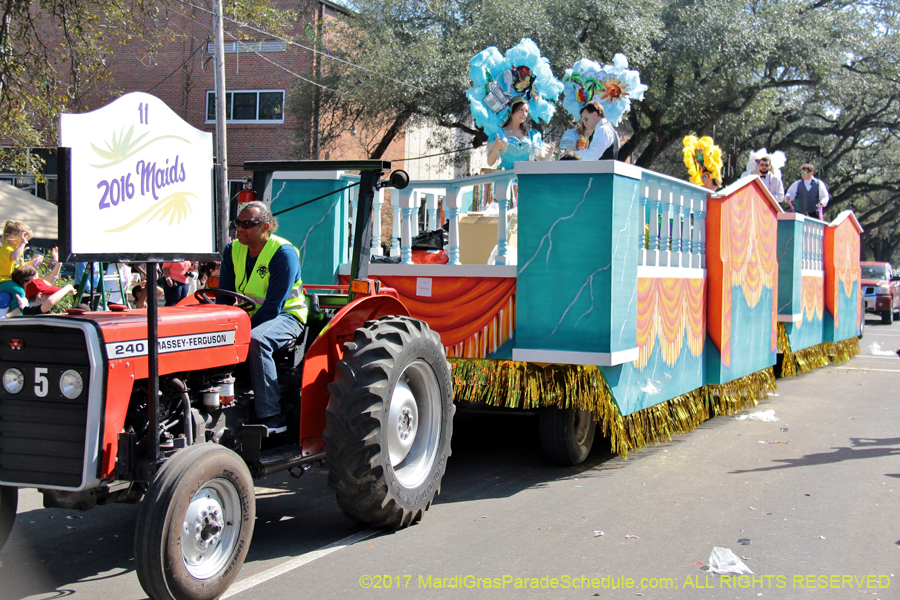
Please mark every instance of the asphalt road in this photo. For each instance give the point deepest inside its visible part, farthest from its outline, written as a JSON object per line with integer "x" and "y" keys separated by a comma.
{"x": 814, "y": 495}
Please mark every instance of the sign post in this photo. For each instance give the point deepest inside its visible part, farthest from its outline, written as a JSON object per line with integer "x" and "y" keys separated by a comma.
{"x": 137, "y": 185}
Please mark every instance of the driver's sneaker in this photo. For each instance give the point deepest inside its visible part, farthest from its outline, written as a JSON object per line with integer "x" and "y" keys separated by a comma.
{"x": 274, "y": 424}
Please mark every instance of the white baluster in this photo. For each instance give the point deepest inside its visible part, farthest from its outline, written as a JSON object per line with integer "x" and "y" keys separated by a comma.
{"x": 687, "y": 245}
{"x": 452, "y": 201}
{"x": 642, "y": 210}
{"x": 653, "y": 199}
{"x": 678, "y": 229}
{"x": 395, "y": 229}
{"x": 431, "y": 202}
{"x": 376, "y": 223}
{"x": 700, "y": 233}
{"x": 501, "y": 192}
{"x": 666, "y": 226}
{"x": 414, "y": 216}
{"x": 408, "y": 211}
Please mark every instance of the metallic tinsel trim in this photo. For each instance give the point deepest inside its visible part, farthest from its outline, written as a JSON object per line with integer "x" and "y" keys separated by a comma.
{"x": 814, "y": 357}
{"x": 514, "y": 384}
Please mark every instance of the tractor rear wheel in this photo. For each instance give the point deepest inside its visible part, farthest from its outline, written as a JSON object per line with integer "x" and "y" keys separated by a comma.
{"x": 195, "y": 525}
{"x": 887, "y": 316}
{"x": 389, "y": 422}
{"x": 567, "y": 434}
{"x": 9, "y": 503}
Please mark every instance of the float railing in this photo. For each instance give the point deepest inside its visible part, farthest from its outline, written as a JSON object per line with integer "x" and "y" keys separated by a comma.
{"x": 406, "y": 203}
{"x": 674, "y": 232}
{"x": 813, "y": 244}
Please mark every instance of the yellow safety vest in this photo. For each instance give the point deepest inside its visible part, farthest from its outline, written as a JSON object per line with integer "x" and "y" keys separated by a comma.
{"x": 256, "y": 284}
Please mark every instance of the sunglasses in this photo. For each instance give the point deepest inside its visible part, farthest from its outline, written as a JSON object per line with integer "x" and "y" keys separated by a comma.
{"x": 238, "y": 224}
{"x": 805, "y": 172}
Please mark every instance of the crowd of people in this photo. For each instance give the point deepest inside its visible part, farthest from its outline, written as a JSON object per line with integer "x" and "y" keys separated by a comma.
{"x": 27, "y": 278}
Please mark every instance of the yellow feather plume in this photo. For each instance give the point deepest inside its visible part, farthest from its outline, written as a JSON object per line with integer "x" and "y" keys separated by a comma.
{"x": 701, "y": 154}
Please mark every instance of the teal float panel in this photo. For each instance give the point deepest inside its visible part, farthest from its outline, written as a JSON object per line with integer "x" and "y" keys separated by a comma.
{"x": 636, "y": 389}
{"x": 319, "y": 229}
{"x": 751, "y": 339}
{"x": 806, "y": 334}
{"x": 577, "y": 255}
{"x": 846, "y": 326}
{"x": 789, "y": 254}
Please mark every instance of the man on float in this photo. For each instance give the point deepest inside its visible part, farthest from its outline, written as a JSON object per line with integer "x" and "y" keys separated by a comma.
{"x": 266, "y": 268}
{"x": 769, "y": 173}
{"x": 604, "y": 139}
{"x": 806, "y": 195}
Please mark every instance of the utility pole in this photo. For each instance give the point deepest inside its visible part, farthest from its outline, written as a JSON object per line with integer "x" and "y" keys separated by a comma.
{"x": 222, "y": 204}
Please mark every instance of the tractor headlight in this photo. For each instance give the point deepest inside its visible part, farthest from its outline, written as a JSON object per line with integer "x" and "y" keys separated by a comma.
{"x": 13, "y": 381}
{"x": 71, "y": 384}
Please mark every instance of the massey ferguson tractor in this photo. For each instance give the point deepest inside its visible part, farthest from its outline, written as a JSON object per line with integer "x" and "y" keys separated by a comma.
{"x": 366, "y": 390}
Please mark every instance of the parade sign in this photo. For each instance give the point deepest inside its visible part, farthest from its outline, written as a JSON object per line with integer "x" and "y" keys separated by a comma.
{"x": 141, "y": 182}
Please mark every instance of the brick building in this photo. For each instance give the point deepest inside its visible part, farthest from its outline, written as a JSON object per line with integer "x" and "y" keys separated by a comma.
{"x": 260, "y": 72}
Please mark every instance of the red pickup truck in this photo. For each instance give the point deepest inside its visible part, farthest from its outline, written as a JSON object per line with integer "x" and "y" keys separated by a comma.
{"x": 881, "y": 290}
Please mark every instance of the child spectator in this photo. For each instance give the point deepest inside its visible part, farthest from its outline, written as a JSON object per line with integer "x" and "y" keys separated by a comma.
{"x": 12, "y": 291}
{"x": 43, "y": 296}
{"x": 12, "y": 248}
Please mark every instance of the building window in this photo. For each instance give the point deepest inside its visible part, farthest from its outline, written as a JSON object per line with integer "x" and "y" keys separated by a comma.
{"x": 263, "y": 106}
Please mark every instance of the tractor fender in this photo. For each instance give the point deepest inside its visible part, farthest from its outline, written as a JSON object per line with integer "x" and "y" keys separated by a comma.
{"x": 324, "y": 354}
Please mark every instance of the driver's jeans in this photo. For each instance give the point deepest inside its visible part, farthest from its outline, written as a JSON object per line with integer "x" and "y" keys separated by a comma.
{"x": 265, "y": 339}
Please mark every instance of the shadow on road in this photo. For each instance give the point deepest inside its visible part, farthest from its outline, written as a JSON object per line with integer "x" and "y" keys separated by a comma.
{"x": 862, "y": 448}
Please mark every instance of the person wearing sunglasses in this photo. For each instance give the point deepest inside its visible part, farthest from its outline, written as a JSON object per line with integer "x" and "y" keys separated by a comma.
{"x": 265, "y": 267}
{"x": 604, "y": 141}
{"x": 808, "y": 194}
{"x": 768, "y": 167}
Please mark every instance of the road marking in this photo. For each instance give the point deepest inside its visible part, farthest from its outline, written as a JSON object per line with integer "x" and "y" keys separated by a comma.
{"x": 893, "y": 356}
{"x": 297, "y": 561}
{"x": 861, "y": 369}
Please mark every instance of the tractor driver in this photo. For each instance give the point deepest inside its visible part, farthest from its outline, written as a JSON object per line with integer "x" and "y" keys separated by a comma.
{"x": 266, "y": 268}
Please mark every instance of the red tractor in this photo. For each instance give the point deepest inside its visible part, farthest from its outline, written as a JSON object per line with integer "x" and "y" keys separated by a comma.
{"x": 366, "y": 390}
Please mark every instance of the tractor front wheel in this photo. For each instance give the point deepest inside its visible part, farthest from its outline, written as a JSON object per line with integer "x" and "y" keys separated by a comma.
{"x": 389, "y": 422}
{"x": 9, "y": 503}
{"x": 195, "y": 525}
{"x": 567, "y": 434}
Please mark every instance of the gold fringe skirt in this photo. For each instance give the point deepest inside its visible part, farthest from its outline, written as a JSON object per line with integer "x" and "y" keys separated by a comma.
{"x": 814, "y": 357}
{"x": 512, "y": 384}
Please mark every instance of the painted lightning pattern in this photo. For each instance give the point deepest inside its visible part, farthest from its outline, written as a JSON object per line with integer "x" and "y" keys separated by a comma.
{"x": 634, "y": 293}
{"x": 589, "y": 282}
{"x": 283, "y": 185}
{"x": 547, "y": 236}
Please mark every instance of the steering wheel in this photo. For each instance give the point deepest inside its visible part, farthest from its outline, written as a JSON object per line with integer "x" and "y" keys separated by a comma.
{"x": 244, "y": 302}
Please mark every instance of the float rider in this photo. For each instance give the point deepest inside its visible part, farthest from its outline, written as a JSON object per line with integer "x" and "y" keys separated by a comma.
{"x": 266, "y": 268}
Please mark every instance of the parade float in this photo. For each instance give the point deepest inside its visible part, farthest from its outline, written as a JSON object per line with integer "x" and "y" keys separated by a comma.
{"x": 645, "y": 300}
{"x": 596, "y": 292}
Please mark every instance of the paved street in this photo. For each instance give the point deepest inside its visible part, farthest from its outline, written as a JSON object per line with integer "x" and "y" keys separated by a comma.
{"x": 815, "y": 495}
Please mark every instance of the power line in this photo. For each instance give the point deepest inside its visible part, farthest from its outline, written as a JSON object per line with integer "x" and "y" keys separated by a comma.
{"x": 293, "y": 43}
{"x": 184, "y": 62}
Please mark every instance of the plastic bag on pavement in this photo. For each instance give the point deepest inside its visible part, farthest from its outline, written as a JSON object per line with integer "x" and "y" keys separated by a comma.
{"x": 723, "y": 561}
{"x": 767, "y": 416}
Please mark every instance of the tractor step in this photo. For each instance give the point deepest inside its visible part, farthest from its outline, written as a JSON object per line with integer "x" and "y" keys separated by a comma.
{"x": 283, "y": 458}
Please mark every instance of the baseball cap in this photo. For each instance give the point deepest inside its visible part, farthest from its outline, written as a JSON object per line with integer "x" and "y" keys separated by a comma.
{"x": 40, "y": 286}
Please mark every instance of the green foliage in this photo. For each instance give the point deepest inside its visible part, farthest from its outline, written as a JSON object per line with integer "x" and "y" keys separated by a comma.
{"x": 817, "y": 79}
{"x": 53, "y": 59}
